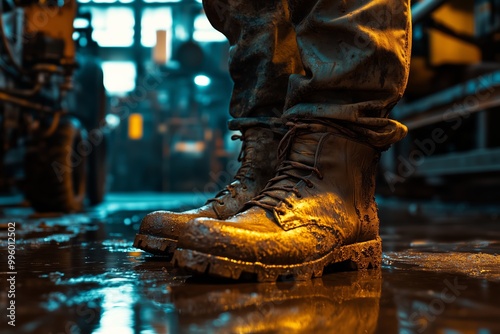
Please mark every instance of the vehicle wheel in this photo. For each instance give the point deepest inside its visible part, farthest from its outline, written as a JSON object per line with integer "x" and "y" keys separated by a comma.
{"x": 55, "y": 170}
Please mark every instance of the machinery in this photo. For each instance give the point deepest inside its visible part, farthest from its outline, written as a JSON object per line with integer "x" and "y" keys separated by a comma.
{"x": 451, "y": 106}
{"x": 51, "y": 135}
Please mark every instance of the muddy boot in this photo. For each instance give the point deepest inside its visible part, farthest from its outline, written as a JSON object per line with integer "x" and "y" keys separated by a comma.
{"x": 160, "y": 230}
{"x": 318, "y": 210}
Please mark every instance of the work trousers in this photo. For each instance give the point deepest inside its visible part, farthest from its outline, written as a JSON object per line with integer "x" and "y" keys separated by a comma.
{"x": 345, "y": 61}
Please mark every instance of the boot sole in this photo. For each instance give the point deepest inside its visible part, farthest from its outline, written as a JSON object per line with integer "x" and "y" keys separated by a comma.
{"x": 155, "y": 245}
{"x": 360, "y": 256}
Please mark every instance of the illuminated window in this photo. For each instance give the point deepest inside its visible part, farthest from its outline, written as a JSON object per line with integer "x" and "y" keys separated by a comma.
{"x": 154, "y": 19}
{"x": 204, "y": 32}
{"x": 80, "y": 23}
{"x": 113, "y": 26}
{"x": 119, "y": 76}
{"x": 161, "y": 1}
{"x": 105, "y": 1}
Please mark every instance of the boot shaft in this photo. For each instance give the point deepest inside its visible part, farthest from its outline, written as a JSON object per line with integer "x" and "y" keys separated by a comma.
{"x": 348, "y": 168}
{"x": 260, "y": 147}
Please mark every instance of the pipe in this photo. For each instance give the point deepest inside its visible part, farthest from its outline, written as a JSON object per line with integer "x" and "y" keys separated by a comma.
{"x": 24, "y": 103}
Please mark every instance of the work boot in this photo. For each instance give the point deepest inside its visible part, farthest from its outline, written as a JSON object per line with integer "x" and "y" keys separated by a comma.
{"x": 160, "y": 230}
{"x": 318, "y": 210}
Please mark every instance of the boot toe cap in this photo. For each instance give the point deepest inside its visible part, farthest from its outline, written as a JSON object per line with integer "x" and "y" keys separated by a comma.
{"x": 164, "y": 224}
{"x": 235, "y": 241}
{"x": 209, "y": 236}
{"x": 169, "y": 224}
{"x": 155, "y": 223}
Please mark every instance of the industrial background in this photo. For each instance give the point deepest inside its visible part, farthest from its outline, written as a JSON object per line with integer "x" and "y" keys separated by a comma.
{"x": 111, "y": 109}
{"x": 153, "y": 92}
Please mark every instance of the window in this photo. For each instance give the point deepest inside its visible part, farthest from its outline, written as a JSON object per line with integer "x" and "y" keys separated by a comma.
{"x": 113, "y": 26}
{"x": 161, "y": 1}
{"x": 204, "y": 32}
{"x": 154, "y": 19}
{"x": 105, "y": 1}
{"x": 119, "y": 77}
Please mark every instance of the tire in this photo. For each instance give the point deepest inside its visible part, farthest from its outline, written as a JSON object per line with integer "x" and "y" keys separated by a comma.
{"x": 55, "y": 171}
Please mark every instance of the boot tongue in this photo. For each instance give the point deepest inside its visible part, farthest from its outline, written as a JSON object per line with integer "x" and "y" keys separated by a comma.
{"x": 256, "y": 140}
{"x": 302, "y": 150}
{"x": 249, "y": 152}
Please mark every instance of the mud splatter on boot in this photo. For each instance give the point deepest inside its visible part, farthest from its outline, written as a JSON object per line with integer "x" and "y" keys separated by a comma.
{"x": 160, "y": 230}
{"x": 318, "y": 210}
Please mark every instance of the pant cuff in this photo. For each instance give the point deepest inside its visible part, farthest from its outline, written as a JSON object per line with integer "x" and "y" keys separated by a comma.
{"x": 249, "y": 122}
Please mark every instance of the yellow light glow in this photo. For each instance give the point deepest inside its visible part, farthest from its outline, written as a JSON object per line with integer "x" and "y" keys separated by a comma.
{"x": 135, "y": 126}
{"x": 190, "y": 147}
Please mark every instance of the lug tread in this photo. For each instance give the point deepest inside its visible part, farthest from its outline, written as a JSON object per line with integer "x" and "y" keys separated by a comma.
{"x": 362, "y": 256}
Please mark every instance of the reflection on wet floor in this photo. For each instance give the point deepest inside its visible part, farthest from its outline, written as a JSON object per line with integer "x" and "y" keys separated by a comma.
{"x": 80, "y": 274}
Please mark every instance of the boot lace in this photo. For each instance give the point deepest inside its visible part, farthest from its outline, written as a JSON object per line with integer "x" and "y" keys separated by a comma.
{"x": 287, "y": 170}
{"x": 244, "y": 172}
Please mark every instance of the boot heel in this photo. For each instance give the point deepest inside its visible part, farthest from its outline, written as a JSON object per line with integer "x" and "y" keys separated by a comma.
{"x": 366, "y": 255}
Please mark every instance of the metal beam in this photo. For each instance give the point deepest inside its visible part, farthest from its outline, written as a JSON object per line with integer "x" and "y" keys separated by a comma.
{"x": 422, "y": 9}
{"x": 476, "y": 161}
{"x": 472, "y": 96}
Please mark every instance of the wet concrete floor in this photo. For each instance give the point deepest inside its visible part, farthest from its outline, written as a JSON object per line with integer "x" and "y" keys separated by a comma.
{"x": 80, "y": 274}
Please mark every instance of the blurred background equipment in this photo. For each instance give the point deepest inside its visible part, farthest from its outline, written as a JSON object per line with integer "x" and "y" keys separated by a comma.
{"x": 165, "y": 70}
{"x": 451, "y": 107}
{"x": 148, "y": 79}
{"x": 165, "y": 83}
{"x": 51, "y": 146}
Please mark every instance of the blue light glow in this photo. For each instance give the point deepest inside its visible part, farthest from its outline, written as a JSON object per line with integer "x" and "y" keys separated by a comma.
{"x": 202, "y": 80}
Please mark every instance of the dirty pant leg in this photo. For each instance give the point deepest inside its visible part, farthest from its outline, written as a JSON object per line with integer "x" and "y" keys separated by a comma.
{"x": 263, "y": 53}
{"x": 356, "y": 60}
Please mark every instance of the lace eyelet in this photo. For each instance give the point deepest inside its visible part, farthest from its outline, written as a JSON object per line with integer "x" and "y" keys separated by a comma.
{"x": 280, "y": 212}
